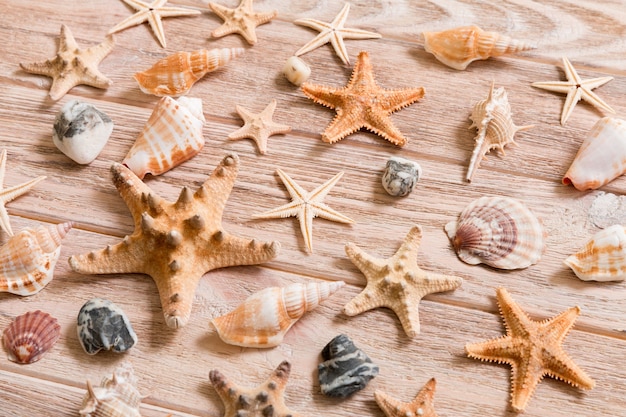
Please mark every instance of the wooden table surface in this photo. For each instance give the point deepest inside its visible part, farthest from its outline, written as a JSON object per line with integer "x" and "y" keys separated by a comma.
{"x": 173, "y": 365}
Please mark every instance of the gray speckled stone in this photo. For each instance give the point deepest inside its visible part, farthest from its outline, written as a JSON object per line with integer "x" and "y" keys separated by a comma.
{"x": 102, "y": 325}
{"x": 400, "y": 176}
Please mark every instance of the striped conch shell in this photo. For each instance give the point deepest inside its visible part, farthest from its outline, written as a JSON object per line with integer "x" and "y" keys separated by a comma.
{"x": 264, "y": 318}
{"x": 458, "y": 47}
{"x": 117, "y": 396}
{"x": 28, "y": 259}
{"x": 29, "y": 336}
{"x": 603, "y": 258}
{"x": 174, "y": 75}
{"x": 172, "y": 135}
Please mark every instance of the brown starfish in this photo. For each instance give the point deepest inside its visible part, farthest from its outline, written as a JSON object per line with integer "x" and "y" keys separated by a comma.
{"x": 421, "y": 406}
{"x": 397, "y": 282}
{"x": 176, "y": 243}
{"x": 259, "y": 126}
{"x": 72, "y": 66}
{"x": 532, "y": 348}
{"x": 242, "y": 20}
{"x": 362, "y": 104}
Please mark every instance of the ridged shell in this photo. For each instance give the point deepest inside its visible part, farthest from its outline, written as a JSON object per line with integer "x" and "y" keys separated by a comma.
{"x": 603, "y": 258}
{"x": 28, "y": 259}
{"x": 117, "y": 396}
{"x": 171, "y": 136}
{"x": 497, "y": 231}
{"x": 174, "y": 75}
{"x": 265, "y": 317}
{"x": 458, "y": 47}
{"x": 29, "y": 336}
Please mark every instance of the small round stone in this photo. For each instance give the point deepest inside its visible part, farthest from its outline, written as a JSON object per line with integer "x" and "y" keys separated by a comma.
{"x": 400, "y": 176}
{"x": 296, "y": 70}
{"x": 102, "y": 325}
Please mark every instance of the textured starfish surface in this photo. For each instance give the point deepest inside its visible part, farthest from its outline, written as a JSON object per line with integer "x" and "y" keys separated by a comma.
{"x": 576, "y": 90}
{"x": 266, "y": 400}
{"x": 242, "y": 20}
{"x": 421, "y": 406}
{"x": 397, "y": 282}
{"x": 532, "y": 348}
{"x": 72, "y": 66}
{"x": 362, "y": 104}
{"x": 152, "y": 13}
{"x": 335, "y": 33}
{"x": 176, "y": 243}
{"x": 259, "y": 127}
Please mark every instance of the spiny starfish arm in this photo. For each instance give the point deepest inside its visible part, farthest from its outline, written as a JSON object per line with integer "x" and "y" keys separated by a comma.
{"x": 393, "y": 100}
{"x": 226, "y": 390}
{"x": 47, "y": 67}
{"x": 366, "y": 300}
{"x": 176, "y": 291}
{"x": 573, "y": 97}
{"x": 216, "y": 189}
{"x": 154, "y": 20}
{"x": 305, "y": 216}
{"x": 133, "y": 20}
{"x": 570, "y": 72}
{"x": 555, "y": 86}
{"x": 365, "y": 263}
{"x": 337, "y": 37}
{"x": 288, "y": 210}
{"x": 11, "y": 193}
{"x": 500, "y": 350}
{"x": 408, "y": 315}
{"x": 131, "y": 189}
{"x": 383, "y": 126}
{"x": 593, "y": 99}
{"x": 325, "y": 212}
{"x": 177, "y": 12}
{"x": 248, "y": 252}
{"x": 560, "y": 366}
{"x": 422, "y": 405}
{"x": 326, "y": 96}
{"x": 343, "y": 125}
{"x": 123, "y": 257}
{"x": 525, "y": 376}
{"x": 296, "y": 192}
{"x": 66, "y": 40}
{"x": 100, "y": 51}
{"x": 314, "y": 24}
{"x": 320, "y": 192}
{"x": 362, "y": 74}
{"x": 516, "y": 320}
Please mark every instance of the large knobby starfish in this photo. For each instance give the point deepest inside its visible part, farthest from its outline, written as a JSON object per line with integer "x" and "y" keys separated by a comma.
{"x": 259, "y": 126}
{"x": 242, "y": 20}
{"x": 397, "y": 282}
{"x": 532, "y": 348}
{"x": 72, "y": 66}
{"x": 576, "y": 90}
{"x": 362, "y": 104}
{"x": 176, "y": 243}
{"x": 421, "y": 406}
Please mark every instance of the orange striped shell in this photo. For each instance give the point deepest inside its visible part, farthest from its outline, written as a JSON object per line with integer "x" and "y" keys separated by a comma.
{"x": 29, "y": 336}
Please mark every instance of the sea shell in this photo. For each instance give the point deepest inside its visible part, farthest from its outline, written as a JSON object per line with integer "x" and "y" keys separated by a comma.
{"x": 117, "y": 396}
{"x": 458, "y": 47}
{"x": 29, "y": 336}
{"x": 28, "y": 259}
{"x": 176, "y": 74}
{"x": 265, "y": 317}
{"x": 492, "y": 118}
{"x": 497, "y": 231}
{"x": 602, "y": 156}
{"x": 101, "y": 324}
{"x": 296, "y": 70}
{"x": 400, "y": 176}
{"x": 172, "y": 135}
{"x": 603, "y": 258}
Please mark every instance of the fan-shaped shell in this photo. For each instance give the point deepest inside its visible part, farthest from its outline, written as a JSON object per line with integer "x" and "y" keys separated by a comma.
{"x": 265, "y": 317}
{"x": 497, "y": 231}
{"x": 29, "y": 336}
{"x": 603, "y": 258}
{"x": 117, "y": 396}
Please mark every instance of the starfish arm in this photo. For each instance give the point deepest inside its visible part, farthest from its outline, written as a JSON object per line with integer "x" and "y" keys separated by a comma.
{"x": 573, "y": 97}
{"x": 314, "y": 24}
{"x": 154, "y": 20}
{"x": 515, "y": 319}
{"x": 11, "y": 193}
{"x": 216, "y": 189}
{"x": 560, "y": 366}
{"x": 408, "y": 314}
{"x": 326, "y": 96}
{"x": 320, "y": 192}
{"x": 366, "y": 262}
{"x": 366, "y": 300}
{"x": 288, "y": 210}
{"x": 66, "y": 40}
{"x": 593, "y": 99}
{"x": 320, "y": 40}
{"x": 226, "y": 390}
{"x": 295, "y": 191}
{"x": 336, "y": 40}
{"x": 570, "y": 72}
{"x": 555, "y": 86}
{"x": 141, "y": 5}
{"x": 305, "y": 216}
{"x": 41, "y": 68}
{"x": 131, "y": 189}
{"x": 343, "y": 125}
{"x": 233, "y": 251}
{"x": 99, "y": 52}
{"x": 350, "y": 33}
{"x": 422, "y": 405}
{"x": 393, "y": 100}
{"x": 177, "y": 12}
{"x": 133, "y": 20}
{"x": 384, "y": 127}
{"x": 122, "y": 258}
{"x": 325, "y": 212}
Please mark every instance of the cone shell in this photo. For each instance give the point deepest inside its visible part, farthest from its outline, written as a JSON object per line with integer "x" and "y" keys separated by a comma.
{"x": 265, "y": 317}
{"x": 115, "y": 397}
{"x": 176, "y": 74}
{"x": 28, "y": 259}
{"x": 603, "y": 258}
{"x": 29, "y": 336}
{"x": 497, "y": 231}
{"x": 458, "y": 47}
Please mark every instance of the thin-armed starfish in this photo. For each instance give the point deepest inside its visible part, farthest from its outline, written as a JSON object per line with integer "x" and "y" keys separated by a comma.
{"x": 421, "y": 406}
{"x": 242, "y": 20}
{"x": 259, "y": 126}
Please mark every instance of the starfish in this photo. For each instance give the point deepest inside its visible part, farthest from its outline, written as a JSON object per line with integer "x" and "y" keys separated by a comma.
{"x": 362, "y": 103}
{"x": 397, "y": 282}
{"x": 152, "y": 13}
{"x": 532, "y": 348}
{"x": 576, "y": 89}
{"x": 242, "y": 20}
{"x": 176, "y": 243}
{"x": 259, "y": 127}
{"x": 72, "y": 66}
{"x": 335, "y": 33}
{"x": 305, "y": 206}
{"x": 421, "y": 406}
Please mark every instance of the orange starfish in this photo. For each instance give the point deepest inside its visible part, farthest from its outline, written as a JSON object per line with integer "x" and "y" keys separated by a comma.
{"x": 242, "y": 20}
{"x": 259, "y": 127}
{"x": 421, "y": 406}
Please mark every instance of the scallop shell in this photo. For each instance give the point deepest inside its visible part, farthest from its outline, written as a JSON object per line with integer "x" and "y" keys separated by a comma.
{"x": 603, "y": 258}
{"x": 28, "y": 259}
{"x": 174, "y": 75}
{"x": 117, "y": 396}
{"x": 29, "y": 336}
{"x": 265, "y": 317}
{"x": 497, "y": 231}
{"x": 458, "y": 47}
{"x": 171, "y": 136}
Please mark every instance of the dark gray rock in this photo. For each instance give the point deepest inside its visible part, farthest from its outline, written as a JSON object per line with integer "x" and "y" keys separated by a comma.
{"x": 102, "y": 325}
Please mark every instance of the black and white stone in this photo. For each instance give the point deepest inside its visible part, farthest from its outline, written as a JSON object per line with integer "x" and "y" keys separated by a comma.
{"x": 102, "y": 325}
{"x": 346, "y": 369}
{"x": 400, "y": 176}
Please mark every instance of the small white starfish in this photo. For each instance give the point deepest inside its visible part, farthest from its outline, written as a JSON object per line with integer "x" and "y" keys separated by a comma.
{"x": 576, "y": 89}
{"x": 259, "y": 126}
{"x": 305, "y": 206}
{"x": 335, "y": 33}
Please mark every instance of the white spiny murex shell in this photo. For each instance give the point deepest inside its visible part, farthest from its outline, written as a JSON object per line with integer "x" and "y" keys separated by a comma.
{"x": 603, "y": 258}
{"x": 264, "y": 318}
{"x": 497, "y": 231}
{"x": 29, "y": 336}
{"x": 117, "y": 396}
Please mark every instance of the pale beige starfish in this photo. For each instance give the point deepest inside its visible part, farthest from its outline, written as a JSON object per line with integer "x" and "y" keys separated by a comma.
{"x": 576, "y": 90}
{"x": 242, "y": 20}
{"x": 397, "y": 282}
{"x": 152, "y": 13}
{"x": 335, "y": 33}
{"x": 72, "y": 66}
{"x": 306, "y": 206}
{"x": 259, "y": 126}
{"x": 421, "y": 406}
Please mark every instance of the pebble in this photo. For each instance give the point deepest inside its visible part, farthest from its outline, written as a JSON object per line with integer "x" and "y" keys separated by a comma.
{"x": 400, "y": 176}
{"x": 296, "y": 70}
{"x": 102, "y": 325}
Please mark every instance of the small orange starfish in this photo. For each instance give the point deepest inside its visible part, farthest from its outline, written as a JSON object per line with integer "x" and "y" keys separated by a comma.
{"x": 421, "y": 406}
{"x": 242, "y": 20}
{"x": 259, "y": 126}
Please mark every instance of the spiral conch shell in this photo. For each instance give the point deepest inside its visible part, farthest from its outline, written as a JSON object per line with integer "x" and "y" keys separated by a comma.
{"x": 117, "y": 396}
{"x": 265, "y": 317}
{"x": 603, "y": 258}
{"x": 458, "y": 47}
{"x": 497, "y": 231}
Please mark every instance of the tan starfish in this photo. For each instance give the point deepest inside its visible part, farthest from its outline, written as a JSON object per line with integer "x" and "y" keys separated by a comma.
{"x": 72, "y": 66}
{"x": 397, "y": 282}
{"x": 362, "y": 104}
{"x": 242, "y": 20}
{"x": 421, "y": 406}
{"x": 259, "y": 126}
{"x": 576, "y": 90}
{"x": 306, "y": 206}
{"x": 152, "y": 13}
{"x": 532, "y": 348}
{"x": 176, "y": 243}
{"x": 335, "y": 33}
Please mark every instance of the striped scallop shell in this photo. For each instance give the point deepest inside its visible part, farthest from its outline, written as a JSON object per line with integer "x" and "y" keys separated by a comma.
{"x": 117, "y": 396}
{"x": 29, "y": 336}
{"x": 603, "y": 258}
{"x": 497, "y": 231}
